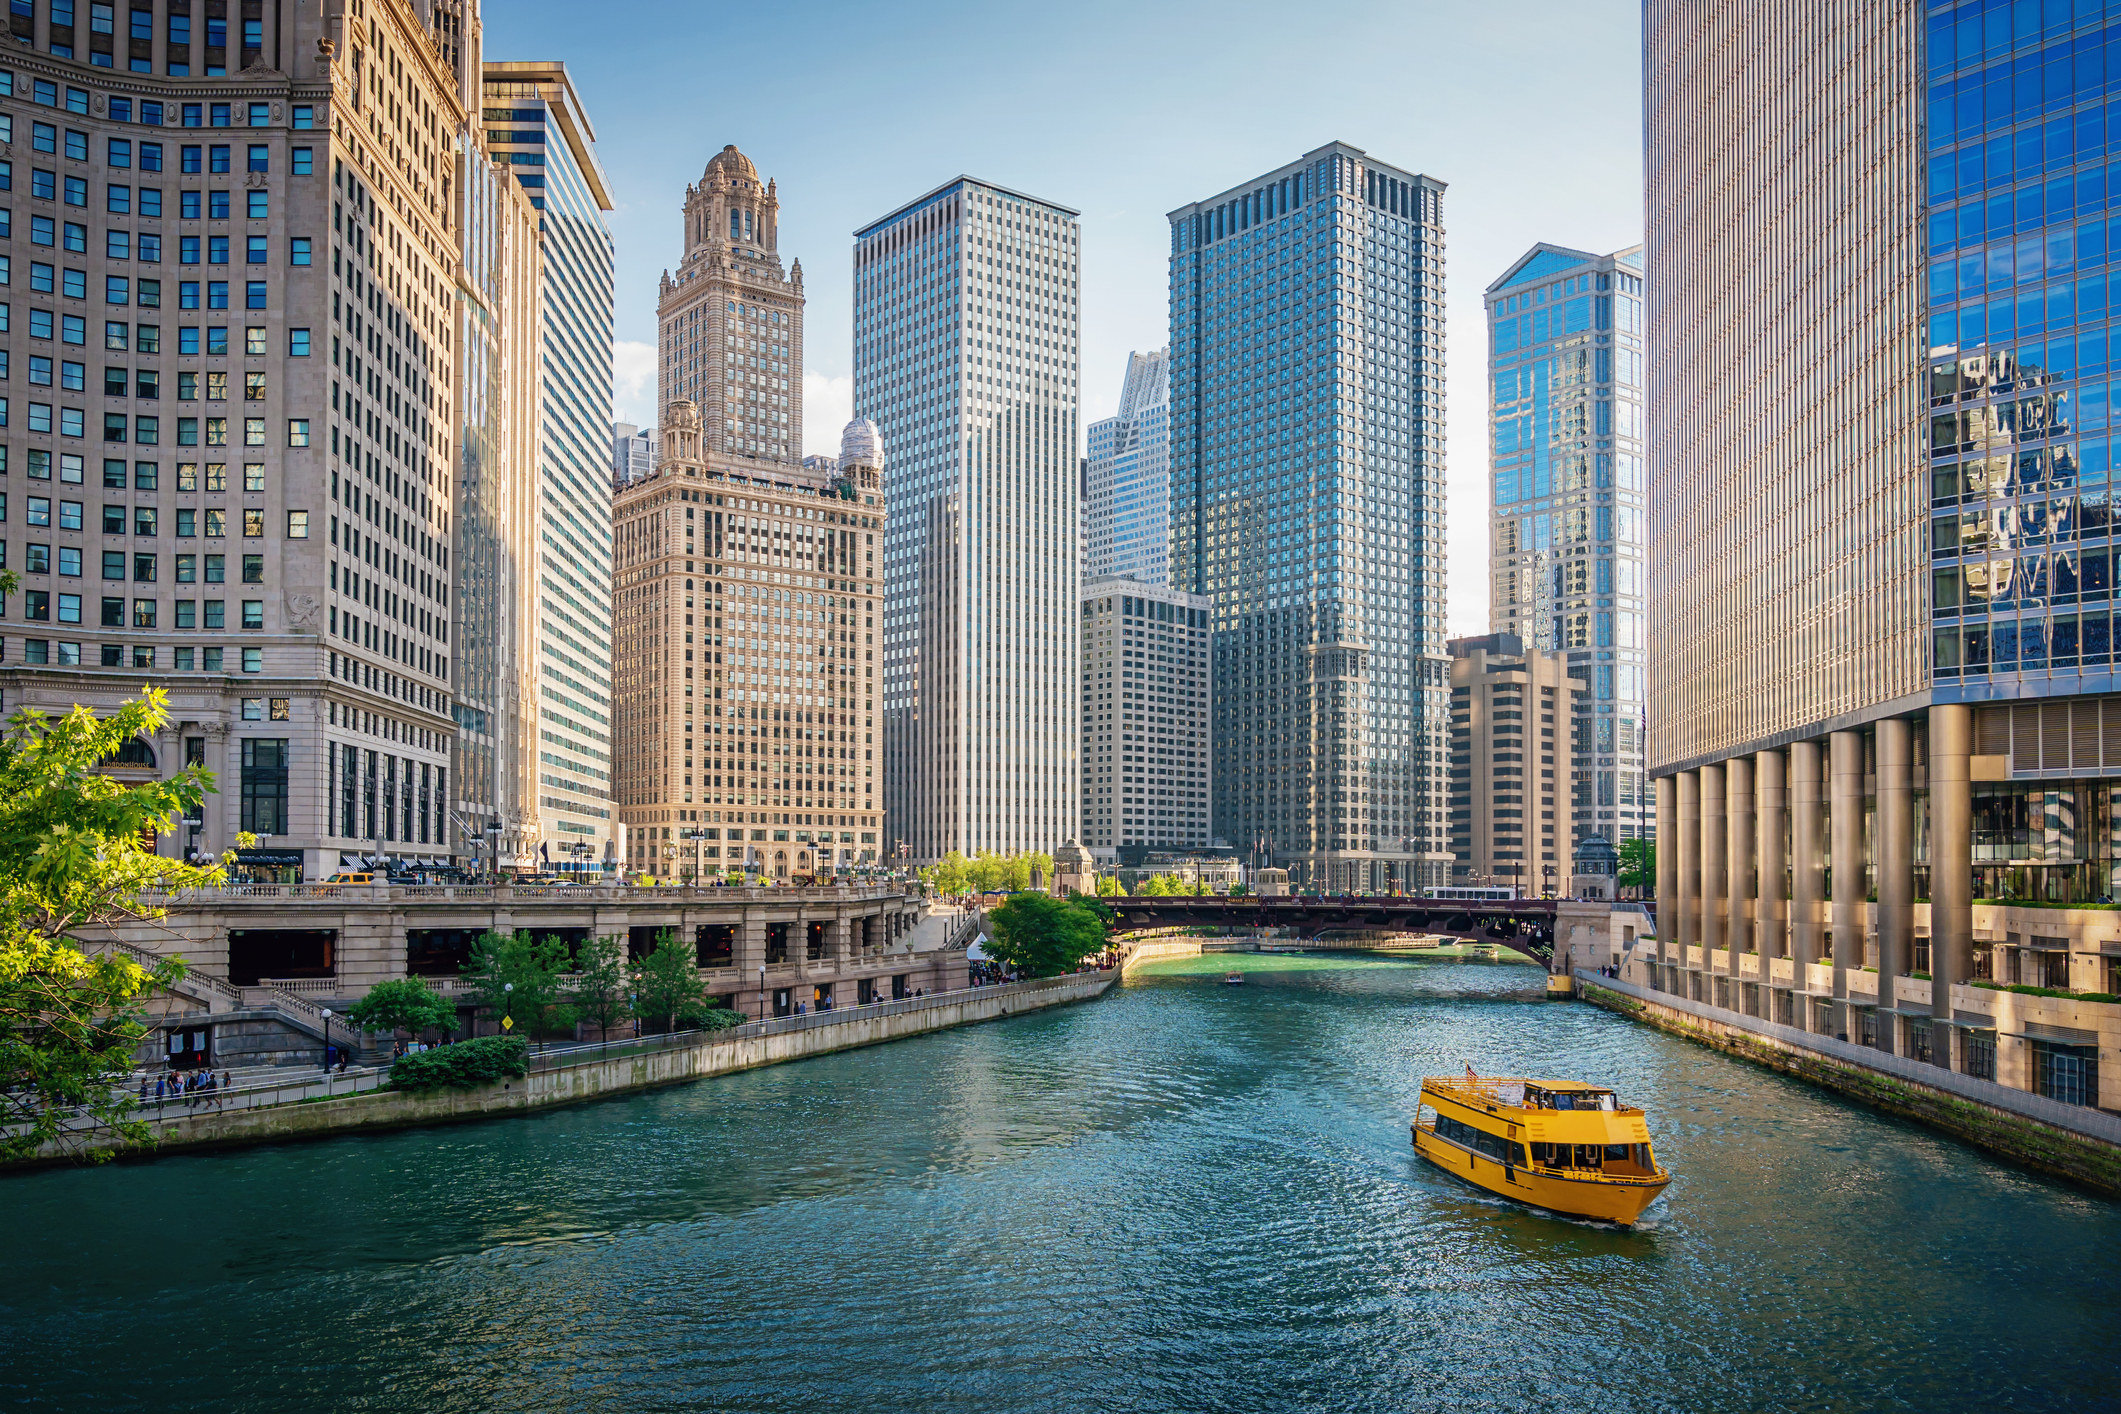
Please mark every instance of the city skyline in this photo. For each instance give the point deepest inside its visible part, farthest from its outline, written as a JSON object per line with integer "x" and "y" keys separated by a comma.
{"x": 1084, "y": 145}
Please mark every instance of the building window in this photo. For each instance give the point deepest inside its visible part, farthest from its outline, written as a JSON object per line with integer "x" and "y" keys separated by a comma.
{"x": 264, "y": 797}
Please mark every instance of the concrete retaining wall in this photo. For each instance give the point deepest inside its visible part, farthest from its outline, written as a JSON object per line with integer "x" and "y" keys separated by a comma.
{"x": 2089, "y": 1158}
{"x": 1149, "y": 952}
{"x": 592, "y": 1079}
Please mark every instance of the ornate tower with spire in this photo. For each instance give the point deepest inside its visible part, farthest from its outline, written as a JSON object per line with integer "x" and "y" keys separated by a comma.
{"x": 731, "y": 320}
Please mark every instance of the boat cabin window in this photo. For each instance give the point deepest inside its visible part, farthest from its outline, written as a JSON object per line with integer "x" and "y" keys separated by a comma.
{"x": 1494, "y": 1146}
{"x": 1538, "y": 1099}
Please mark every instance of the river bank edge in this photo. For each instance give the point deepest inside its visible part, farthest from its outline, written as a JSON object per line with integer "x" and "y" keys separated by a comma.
{"x": 2087, "y": 1162}
{"x": 592, "y": 1079}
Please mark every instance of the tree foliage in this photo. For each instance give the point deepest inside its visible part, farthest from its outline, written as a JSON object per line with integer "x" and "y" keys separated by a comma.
{"x": 513, "y": 976}
{"x": 484, "y": 1060}
{"x": 667, "y": 986}
{"x": 986, "y": 872}
{"x": 403, "y": 1004}
{"x": 600, "y": 983}
{"x": 76, "y": 852}
{"x": 1038, "y": 936}
{"x": 1638, "y": 864}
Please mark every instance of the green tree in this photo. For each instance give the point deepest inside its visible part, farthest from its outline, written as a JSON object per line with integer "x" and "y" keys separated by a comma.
{"x": 949, "y": 876}
{"x": 1239, "y": 889}
{"x": 516, "y": 977}
{"x": 1016, "y": 873}
{"x": 1108, "y": 886}
{"x": 1157, "y": 886}
{"x": 666, "y": 984}
{"x": 404, "y": 1004}
{"x": 1638, "y": 864}
{"x": 1040, "y": 936}
{"x": 984, "y": 872}
{"x": 600, "y": 983}
{"x": 75, "y": 854}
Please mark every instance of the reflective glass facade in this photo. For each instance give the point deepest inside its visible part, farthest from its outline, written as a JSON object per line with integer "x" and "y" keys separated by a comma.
{"x": 1307, "y": 468}
{"x": 1565, "y": 533}
{"x": 536, "y": 124}
{"x": 1127, "y": 480}
{"x": 2023, "y": 115}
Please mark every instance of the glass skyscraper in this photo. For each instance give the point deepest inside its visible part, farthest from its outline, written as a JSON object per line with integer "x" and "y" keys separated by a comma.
{"x": 1879, "y": 359}
{"x": 1307, "y": 499}
{"x": 966, "y": 307}
{"x": 1127, "y": 479}
{"x": 1565, "y": 527}
{"x": 535, "y": 123}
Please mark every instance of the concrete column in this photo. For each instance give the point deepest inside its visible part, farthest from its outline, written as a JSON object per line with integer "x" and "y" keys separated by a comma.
{"x": 1951, "y": 861}
{"x": 1667, "y": 866}
{"x": 1687, "y": 920}
{"x": 1715, "y": 865}
{"x": 1738, "y": 931}
{"x": 1845, "y": 800}
{"x": 1807, "y": 858}
{"x": 1896, "y": 864}
{"x": 1771, "y": 906}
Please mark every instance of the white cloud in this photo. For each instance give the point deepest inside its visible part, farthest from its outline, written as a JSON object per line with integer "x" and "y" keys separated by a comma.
{"x": 633, "y": 391}
{"x": 828, "y": 406}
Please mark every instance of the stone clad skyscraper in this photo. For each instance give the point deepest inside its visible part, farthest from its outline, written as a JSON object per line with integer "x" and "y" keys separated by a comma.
{"x": 966, "y": 305}
{"x": 1307, "y": 499}
{"x": 1565, "y": 520}
{"x": 729, "y": 322}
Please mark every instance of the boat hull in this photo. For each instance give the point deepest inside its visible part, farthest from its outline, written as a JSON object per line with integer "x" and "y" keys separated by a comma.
{"x": 1602, "y": 1200}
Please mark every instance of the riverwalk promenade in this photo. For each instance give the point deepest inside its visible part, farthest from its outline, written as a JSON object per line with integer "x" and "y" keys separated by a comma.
{"x": 318, "y": 1105}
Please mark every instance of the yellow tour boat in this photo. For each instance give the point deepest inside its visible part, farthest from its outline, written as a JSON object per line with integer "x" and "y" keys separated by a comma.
{"x": 1567, "y": 1147}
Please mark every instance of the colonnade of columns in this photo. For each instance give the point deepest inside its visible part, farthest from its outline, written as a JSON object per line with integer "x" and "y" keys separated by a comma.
{"x": 1726, "y": 886}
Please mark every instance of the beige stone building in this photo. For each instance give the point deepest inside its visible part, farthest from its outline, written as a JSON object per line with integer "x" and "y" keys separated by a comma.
{"x": 1512, "y": 716}
{"x": 257, "y": 248}
{"x": 730, "y": 321}
{"x": 745, "y": 622}
{"x": 744, "y": 613}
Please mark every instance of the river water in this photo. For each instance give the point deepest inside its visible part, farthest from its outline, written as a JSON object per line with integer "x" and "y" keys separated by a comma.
{"x": 1182, "y": 1197}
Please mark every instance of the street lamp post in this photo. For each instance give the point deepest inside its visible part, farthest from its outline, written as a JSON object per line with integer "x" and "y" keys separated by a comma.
{"x": 508, "y": 1017}
{"x": 326, "y": 1012}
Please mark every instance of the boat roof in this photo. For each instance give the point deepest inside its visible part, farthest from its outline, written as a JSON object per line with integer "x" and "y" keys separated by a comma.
{"x": 1571, "y": 1087}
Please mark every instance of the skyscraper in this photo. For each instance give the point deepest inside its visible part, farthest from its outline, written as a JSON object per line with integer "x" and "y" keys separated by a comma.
{"x": 1510, "y": 711}
{"x": 1881, "y": 574}
{"x": 746, "y": 614}
{"x": 268, "y": 533}
{"x": 534, "y": 117}
{"x": 730, "y": 322}
{"x": 1146, "y": 771}
{"x": 966, "y": 311}
{"x": 1127, "y": 479}
{"x": 494, "y": 610}
{"x": 633, "y": 452}
{"x": 1565, "y": 524}
{"x": 1307, "y": 498}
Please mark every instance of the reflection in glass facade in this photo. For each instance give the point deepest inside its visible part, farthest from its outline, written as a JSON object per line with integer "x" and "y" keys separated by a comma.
{"x": 1127, "y": 480}
{"x": 1565, "y": 533}
{"x": 2022, "y": 120}
{"x": 1307, "y": 499}
{"x": 535, "y": 119}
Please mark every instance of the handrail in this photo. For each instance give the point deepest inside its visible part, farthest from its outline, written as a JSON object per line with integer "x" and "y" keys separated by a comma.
{"x": 483, "y": 893}
{"x": 148, "y": 957}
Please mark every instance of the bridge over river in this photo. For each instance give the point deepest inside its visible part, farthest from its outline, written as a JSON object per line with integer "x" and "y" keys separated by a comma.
{"x": 1530, "y": 926}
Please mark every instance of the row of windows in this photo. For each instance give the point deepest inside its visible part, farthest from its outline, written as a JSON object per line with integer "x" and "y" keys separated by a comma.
{"x": 153, "y": 114}
{"x": 191, "y": 250}
{"x": 122, "y": 290}
{"x": 146, "y": 429}
{"x": 146, "y": 520}
{"x": 146, "y": 568}
{"x": 41, "y": 606}
{"x": 114, "y": 655}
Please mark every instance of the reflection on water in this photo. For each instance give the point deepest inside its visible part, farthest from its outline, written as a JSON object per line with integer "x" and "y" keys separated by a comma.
{"x": 1187, "y": 1196}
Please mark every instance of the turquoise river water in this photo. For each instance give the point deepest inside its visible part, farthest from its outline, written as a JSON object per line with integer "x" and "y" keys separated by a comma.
{"x": 1185, "y": 1196}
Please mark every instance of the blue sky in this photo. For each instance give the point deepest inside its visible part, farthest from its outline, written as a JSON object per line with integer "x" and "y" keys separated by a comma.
{"x": 1530, "y": 111}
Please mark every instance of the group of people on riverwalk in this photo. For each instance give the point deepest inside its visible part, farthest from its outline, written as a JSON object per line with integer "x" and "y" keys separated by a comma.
{"x": 193, "y": 1087}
